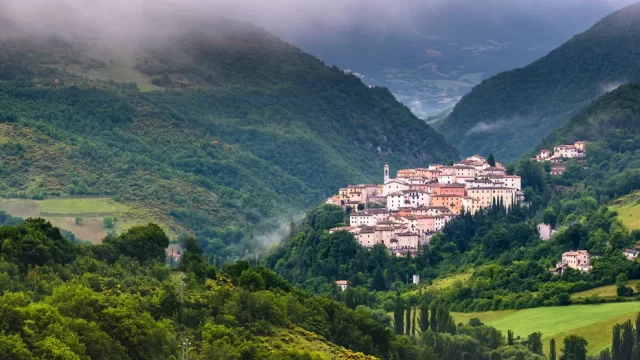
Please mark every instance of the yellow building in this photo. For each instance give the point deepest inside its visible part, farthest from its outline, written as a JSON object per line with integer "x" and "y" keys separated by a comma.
{"x": 487, "y": 195}
{"x": 453, "y": 202}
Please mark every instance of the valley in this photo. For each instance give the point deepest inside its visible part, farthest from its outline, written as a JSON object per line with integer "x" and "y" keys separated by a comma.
{"x": 201, "y": 189}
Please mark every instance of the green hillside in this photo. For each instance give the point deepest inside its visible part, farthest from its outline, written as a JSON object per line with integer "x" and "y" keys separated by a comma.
{"x": 220, "y": 130}
{"x": 628, "y": 209}
{"x": 611, "y": 125}
{"x": 510, "y": 112}
{"x": 593, "y": 322}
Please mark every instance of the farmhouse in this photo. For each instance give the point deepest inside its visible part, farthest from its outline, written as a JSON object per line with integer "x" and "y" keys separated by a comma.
{"x": 579, "y": 260}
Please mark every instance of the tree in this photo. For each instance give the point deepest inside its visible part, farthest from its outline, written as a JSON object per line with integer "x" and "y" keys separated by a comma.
{"x": 360, "y": 207}
{"x": 434, "y": 317}
{"x": 509, "y": 337}
{"x": 414, "y": 322}
{"x": 621, "y": 285}
{"x": 552, "y": 349}
{"x": 143, "y": 243}
{"x": 407, "y": 320}
{"x": 491, "y": 160}
{"x": 534, "y": 342}
{"x": 424, "y": 317}
{"x": 192, "y": 259}
{"x": 78, "y": 221}
{"x": 252, "y": 280}
{"x": 398, "y": 316}
{"x": 575, "y": 348}
{"x": 378, "y": 283}
{"x": 108, "y": 222}
{"x": 605, "y": 355}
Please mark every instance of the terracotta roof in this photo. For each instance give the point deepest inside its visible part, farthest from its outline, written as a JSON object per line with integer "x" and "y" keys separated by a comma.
{"x": 490, "y": 188}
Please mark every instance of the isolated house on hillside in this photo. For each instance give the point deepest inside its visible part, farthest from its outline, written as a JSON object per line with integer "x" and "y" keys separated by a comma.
{"x": 579, "y": 260}
{"x": 342, "y": 284}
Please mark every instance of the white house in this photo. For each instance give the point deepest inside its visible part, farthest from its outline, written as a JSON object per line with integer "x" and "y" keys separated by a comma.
{"x": 362, "y": 218}
{"x": 447, "y": 179}
{"x": 393, "y": 186}
{"x": 545, "y": 232}
{"x": 342, "y": 284}
{"x": 512, "y": 181}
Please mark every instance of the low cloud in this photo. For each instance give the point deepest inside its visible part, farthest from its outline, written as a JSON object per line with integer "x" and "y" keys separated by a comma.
{"x": 483, "y": 127}
{"x": 610, "y": 86}
{"x": 288, "y": 18}
{"x": 281, "y": 231}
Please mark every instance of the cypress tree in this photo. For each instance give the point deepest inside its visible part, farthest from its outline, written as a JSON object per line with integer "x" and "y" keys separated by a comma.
{"x": 424, "y": 317}
{"x": 628, "y": 340}
{"x": 442, "y": 318}
{"x": 407, "y": 321}
{"x": 534, "y": 342}
{"x": 378, "y": 282}
{"x": 552, "y": 350}
{"x": 434, "y": 317}
{"x": 398, "y": 316}
{"x": 616, "y": 345}
{"x": 491, "y": 160}
{"x": 638, "y": 329}
{"x": 509, "y": 337}
{"x": 414, "y": 323}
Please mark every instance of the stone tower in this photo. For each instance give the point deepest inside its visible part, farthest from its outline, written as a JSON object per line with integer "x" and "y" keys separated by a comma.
{"x": 386, "y": 173}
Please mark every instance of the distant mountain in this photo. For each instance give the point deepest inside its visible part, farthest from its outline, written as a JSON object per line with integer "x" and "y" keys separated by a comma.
{"x": 435, "y": 54}
{"x": 510, "y": 112}
{"x": 220, "y": 129}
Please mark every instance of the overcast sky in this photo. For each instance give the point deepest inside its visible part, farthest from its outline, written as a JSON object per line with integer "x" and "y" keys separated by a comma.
{"x": 279, "y": 16}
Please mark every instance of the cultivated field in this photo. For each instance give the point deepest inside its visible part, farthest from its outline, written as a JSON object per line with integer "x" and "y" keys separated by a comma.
{"x": 603, "y": 291}
{"x": 593, "y": 322}
{"x": 83, "y": 216}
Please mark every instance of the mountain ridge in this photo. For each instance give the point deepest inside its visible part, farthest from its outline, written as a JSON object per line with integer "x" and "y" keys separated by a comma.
{"x": 234, "y": 132}
{"x": 508, "y": 113}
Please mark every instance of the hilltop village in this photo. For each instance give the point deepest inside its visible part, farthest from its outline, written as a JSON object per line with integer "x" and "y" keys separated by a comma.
{"x": 404, "y": 212}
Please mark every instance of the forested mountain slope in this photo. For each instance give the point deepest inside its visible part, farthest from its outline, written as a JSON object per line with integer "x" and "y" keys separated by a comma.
{"x": 510, "y": 112}
{"x": 219, "y": 127}
{"x": 611, "y": 125}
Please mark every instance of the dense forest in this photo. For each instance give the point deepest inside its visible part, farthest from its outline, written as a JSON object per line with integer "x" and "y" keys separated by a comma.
{"x": 120, "y": 300}
{"x": 235, "y": 131}
{"x": 511, "y": 112}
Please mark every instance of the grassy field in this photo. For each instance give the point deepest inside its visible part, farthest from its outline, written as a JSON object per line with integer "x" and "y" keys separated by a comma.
{"x": 440, "y": 283}
{"x": 62, "y": 212}
{"x": 450, "y": 280}
{"x": 82, "y": 206}
{"x": 628, "y": 208}
{"x": 603, "y": 291}
{"x": 593, "y": 322}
